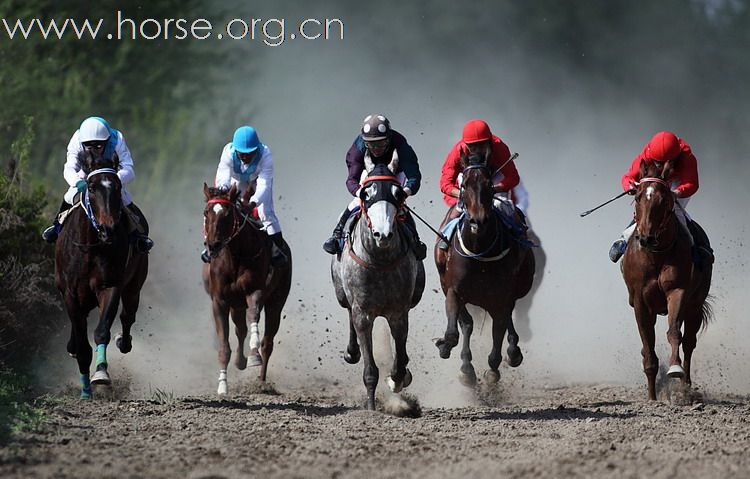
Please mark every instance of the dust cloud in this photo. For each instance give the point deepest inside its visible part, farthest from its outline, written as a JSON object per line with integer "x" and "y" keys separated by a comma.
{"x": 576, "y": 135}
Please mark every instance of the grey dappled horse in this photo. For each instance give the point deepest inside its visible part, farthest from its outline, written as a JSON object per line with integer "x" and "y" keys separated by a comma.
{"x": 377, "y": 274}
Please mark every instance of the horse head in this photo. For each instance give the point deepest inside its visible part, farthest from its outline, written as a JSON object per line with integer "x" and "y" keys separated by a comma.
{"x": 382, "y": 197}
{"x": 476, "y": 188}
{"x": 220, "y": 217}
{"x": 103, "y": 195}
{"x": 654, "y": 203}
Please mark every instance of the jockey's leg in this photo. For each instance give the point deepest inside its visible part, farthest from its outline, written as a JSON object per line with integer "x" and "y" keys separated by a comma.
{"x": 419, "y": 248}
{"x": 278, "y": 257}
{"x": 453, "y": 212}
{"x": 143, "y": 243}
{"x": 331, "y": 245}
{"x": 51, "y": 232}
{"x": 618, "y": 247}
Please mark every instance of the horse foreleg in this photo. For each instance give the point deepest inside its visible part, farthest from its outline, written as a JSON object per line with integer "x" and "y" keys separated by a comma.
{"x": 254, "y": 307}
{"x": 500, "y": 322}
{"x": 646, "y": 321}
{"x": 131, "y": 298}
{"x": 363, "y": 324}
{"x": 272, "y": 323}
{"x": 221, "y": 322}
{"x": 109, "y": 301}
{"x": 400, "y": 375}
{"x": 79, "y": 347}
{"x": 692, "y": 325}
{"x": 515, "y": 357}
{"x": 240, "y": 329}
{"x": 450, "y": 339}
{"x": 352, "y": 353}
{"x": 468, "y": 376}
{"x": 674, "y": 335}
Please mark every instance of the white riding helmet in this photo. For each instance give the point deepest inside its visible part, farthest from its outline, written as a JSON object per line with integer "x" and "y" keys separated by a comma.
{"x": 93, "y": 129}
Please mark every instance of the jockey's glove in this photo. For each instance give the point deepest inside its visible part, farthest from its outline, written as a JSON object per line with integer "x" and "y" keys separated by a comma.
{"x": 81, "y": 186}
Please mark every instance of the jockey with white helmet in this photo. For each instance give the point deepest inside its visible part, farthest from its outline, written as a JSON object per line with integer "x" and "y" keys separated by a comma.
{"x": 96, "y": 136}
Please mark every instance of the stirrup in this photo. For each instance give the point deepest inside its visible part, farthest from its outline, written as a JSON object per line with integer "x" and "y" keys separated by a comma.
{"x": 205, "y": 257}
{"x": 420, "y": 250}
{"x": 143, "y": 244}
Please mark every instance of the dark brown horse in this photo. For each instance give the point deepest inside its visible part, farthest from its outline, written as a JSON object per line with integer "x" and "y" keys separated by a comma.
{"x": 485, "y": 265}
{"x": 661, "y": 278}
{"x": 97, "y": 265}
{"x": 240, "y": 277}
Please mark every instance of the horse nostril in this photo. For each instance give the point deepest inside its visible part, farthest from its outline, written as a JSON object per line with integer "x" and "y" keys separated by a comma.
{"x": 376, "y": 234}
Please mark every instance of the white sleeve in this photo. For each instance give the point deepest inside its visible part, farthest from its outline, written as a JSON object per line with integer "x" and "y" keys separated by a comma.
{"x": 72, "y": 170}
{"x": 126, "y": 171}
{"x": 264, "y": 183}
{"x": 224, "y": 171}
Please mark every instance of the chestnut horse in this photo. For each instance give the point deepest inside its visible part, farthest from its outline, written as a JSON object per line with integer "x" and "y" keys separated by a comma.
{"x": 240, "y": 277}
{"x": 661, "y": 278}
{"x": 484, "y": 265}
{"x": 378, "y": 274}
{"x": 97, "y": 265}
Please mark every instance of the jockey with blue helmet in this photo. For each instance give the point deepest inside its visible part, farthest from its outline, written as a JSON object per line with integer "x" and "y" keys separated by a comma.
{"x": 97, "y": 137}
{"x": 247, "y": 163}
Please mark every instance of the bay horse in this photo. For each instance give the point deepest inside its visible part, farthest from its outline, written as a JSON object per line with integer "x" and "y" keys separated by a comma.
{"x": 484, "y": 265}
{"x": 378, "y": 274}
{"x": 97, "y": 265}
{"x": 240, "y": 277}
{"x": 661, "y": 278}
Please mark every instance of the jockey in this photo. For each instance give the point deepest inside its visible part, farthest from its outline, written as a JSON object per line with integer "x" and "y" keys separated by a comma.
{"x": 664, "y": 147}
{"x": 96, "y": 136}
{"x": 478, "y": 139}
{"x": 247, "y": 163}
{"x": 380, "y": 140}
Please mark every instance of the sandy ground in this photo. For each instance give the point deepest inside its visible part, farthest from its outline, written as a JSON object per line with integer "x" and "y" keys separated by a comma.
{"x": 567, "y": 431}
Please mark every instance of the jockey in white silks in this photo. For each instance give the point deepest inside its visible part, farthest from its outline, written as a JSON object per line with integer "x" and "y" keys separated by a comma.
{"x": 247, "y": 163}
{"x": 97, "y": 137}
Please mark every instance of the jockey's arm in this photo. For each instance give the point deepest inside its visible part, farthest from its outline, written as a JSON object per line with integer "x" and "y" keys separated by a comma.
{"x": 72, "y": 171}
{"x": 224, "y": 170}
{"x": 127, "y": 170}
{"x": 264, "y": 183}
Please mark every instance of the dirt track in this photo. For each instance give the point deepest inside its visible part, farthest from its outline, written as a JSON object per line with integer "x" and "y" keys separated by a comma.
{"x": 574, "y": 431}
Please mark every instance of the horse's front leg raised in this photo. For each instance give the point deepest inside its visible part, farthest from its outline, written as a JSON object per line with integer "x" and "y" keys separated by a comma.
{"x": 363, "y": 324}
{"x": 220, "y": 312}
{"x": 515, "y": 357}
{"x": 400, "y": 375}
{"x": 254, "y": 307}
{"x": 646, "y": 320}
{"x": 109, "y": 301}
{"x": 240, "y": 328}
{"x": 450, "y": 339}
{"x": 468, "y": 376}
{"x": 352, "y": 353}
{"x": 674, "y": 335}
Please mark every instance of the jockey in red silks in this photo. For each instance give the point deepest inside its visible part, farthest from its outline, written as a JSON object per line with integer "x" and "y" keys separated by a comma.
{"x": 478, "y": 139}
{"x": 667, "y": 147}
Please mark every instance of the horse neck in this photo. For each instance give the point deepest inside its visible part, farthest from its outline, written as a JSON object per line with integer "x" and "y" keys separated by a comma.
{"x": 246, "y": 244}
{"x": 487, "y": 232}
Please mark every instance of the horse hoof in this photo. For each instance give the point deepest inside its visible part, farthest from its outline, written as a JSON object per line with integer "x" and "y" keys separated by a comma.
{"x": 444, "y": 348}
{"x": 86, "y": 395}
{"x": 407, "y": 378}
{"x": 101, "y": 378}
{"x": 492, "y": 376}
{"x": 676, "y": 371}
{"x": 123, "y": 344}
{"x": 352, "y": 358}
{"x": 393, "y": 386}
{"x": 515, "y": 357}
{"x": 468, "y": 379}
{"x": 222, "y": 390}
{"x": 241, "y": 362}
{"x": 254, "y": 358}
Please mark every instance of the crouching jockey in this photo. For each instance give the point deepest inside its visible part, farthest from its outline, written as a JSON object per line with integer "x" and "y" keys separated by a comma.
{"x": 247, "y": 163}
{"x": 379, "y": 141}
{"x": 666, "y": 147}
{"x": 477, "y": 139}
{"x": 96, "y": 137}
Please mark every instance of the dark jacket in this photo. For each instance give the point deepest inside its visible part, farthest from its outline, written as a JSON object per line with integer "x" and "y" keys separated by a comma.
{"x": 407, "y": 162}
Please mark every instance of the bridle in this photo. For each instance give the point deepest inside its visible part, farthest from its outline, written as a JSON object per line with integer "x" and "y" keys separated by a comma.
{"x": 86, "y": 200}
{"x": 239, "y": 220}
{"x": 664, "y": 224}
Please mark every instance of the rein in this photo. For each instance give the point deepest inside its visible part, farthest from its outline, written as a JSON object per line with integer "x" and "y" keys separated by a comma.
{"x": 467, "y": 253}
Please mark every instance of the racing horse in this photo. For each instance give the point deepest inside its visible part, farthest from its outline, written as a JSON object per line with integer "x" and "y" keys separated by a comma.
{"x": 97, "y": 264}
{"x": 484, "y": 265}
{"x": 240, "y": 277}
{"x": 661, "y": 277}
{"x": 377, "y": 274}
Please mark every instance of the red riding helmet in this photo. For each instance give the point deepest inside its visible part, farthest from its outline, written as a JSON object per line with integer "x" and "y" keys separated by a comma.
{"x": 664, "y": 146}
{"x": 476, "y": 131}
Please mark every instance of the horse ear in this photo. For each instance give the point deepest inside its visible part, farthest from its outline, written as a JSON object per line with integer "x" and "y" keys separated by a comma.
{"x": 115, "y": 161}
{"x": 85, "y": 159}
{"x": 233, "y": 193}
{"x": 666, "y": 172}
{"x": 643, "y": 170}
{"x": 369, "y": 165}
{"x": 206, "y": 191}
{"x": 393, "y": 165}
{"x": 487, "y": 154}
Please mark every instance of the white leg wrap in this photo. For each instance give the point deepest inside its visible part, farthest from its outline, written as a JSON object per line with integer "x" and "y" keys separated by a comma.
{"x": 254, "y": 336}
{"x": 222, "y": 389}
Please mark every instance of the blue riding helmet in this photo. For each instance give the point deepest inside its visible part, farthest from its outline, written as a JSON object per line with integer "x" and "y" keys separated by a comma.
{"x": 245, "y": 140}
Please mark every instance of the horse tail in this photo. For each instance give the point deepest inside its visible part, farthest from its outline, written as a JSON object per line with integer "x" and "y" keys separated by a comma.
{"x": 707, "y": 311}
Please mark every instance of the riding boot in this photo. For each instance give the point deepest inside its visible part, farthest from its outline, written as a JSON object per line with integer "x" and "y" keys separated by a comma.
{"x": 278, "y": 257}
{"x": 618, "y": 247}
{"x": 51, "y": 232}
{"x": 332, "y": 245}
{"x": 453, "y": 212}
{"x": 419, "y": 248}
{"x": 143, "y": 243}
{"x": 702, "y": 246}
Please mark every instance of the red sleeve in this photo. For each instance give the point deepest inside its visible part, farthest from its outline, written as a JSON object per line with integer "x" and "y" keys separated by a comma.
{"x": 686, "y": 171}
{"x": 500, "y": 157}
{"x": 632, "y": 176}
{"x": 449, "y": 175}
